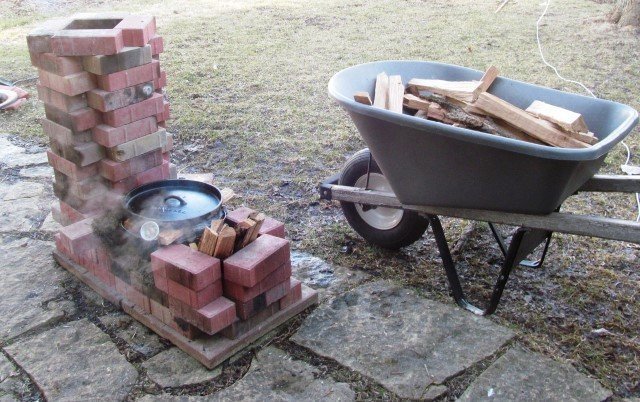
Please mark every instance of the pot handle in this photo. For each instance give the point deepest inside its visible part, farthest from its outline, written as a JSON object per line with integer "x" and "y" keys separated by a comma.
{"x": 182, "y": 202}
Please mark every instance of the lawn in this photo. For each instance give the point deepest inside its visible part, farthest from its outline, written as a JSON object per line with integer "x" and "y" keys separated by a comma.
{"x": 247, "y": 84}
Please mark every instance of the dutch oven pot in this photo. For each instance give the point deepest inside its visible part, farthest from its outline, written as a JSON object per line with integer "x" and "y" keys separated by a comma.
{"x": 174, "y": 204}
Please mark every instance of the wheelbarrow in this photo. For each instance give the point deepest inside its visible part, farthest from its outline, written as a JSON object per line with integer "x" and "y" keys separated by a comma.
{"x": 416, "y": 170}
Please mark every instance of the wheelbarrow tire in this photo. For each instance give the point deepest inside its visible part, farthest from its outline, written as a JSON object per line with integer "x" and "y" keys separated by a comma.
{"x": 385, "y": 227}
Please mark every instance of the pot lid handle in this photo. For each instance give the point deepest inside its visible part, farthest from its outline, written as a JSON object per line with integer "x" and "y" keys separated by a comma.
{"x": 168, "y": 200}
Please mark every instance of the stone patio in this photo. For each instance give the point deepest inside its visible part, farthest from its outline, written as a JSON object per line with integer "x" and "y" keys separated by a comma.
{"x": 61, "y": 342}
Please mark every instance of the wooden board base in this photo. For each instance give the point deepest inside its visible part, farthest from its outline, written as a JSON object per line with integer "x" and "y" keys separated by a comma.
{"x": 209, "y": 350}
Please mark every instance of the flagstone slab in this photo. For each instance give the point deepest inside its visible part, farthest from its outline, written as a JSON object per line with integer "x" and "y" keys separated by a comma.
{"x": 408, "y": 344}
{"x": 75, "y": 362}
{"x": 526, "y": 376}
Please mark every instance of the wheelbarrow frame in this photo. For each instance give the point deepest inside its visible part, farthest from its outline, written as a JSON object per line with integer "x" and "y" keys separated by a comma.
{"x": 532, "y": 231}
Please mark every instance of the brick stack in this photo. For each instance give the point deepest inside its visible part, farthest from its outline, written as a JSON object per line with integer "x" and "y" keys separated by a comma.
{"x": 102, "y": 86}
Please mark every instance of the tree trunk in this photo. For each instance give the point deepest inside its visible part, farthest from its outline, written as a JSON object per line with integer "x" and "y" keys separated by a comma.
{"x": 626, "y": 12}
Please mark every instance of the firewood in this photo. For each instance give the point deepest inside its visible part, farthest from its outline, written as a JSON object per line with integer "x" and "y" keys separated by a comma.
{"x": 253, "y": 233}
{"x": 242, "y": 232}
{"x": 487, "y": 79}
{"x": 568, "y": 120}
{"x": 382, "y": 91}
{"x": 396, "y": 92}
{"x": 169, "y": 236}
{"x": 225, "y": 244}
{"x": 465, "y": 91}
{"x": 449, "y": 113}
{"x": 217, "y": 225}
{"x": 362, "y": 97}
{"x": 193, "y": 246}
{"x": 208, "y": 242}
{"x": 227, "y": 195}
{"x": 583, "y": 137}
{"x": 494, "y": 106}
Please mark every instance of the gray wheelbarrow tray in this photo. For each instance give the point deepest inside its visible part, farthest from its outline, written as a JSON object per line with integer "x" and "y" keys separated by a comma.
{"x": 437, "y": 169}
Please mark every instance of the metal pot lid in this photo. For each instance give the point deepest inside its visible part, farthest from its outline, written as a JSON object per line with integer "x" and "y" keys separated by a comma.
{"x": 173, "y": 200}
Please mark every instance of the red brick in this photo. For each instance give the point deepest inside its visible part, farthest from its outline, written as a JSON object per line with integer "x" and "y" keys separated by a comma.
{"x": 140, "y": 110}
{"x": 58, "y": 65}
{"x": 192, "y": 268}
{"x": 71, "y": 169}
{"x": 71, "y": 85}
{"x": 137, "y": 30}
{"x": 243, "y": 294}
{"x": 194, "y": 298}
{"x": 58, "y": 217}
{"x": 239, "y": 214}
{"x": 272, "y": 227}
{"x": 60, "y": 100}
{"x": 129, "y": 57}
{"x": 89, "y": 188}
{"x": 241, "y": 327}
{"x": 139, "y": 299}
{"x": 39, "y": 40}
{"x": 126, "y": 78}
{"x": 217, "y": 315}
{"x": 295, "y": 294}
{"x": 156, "y": 68}
{"x": 60, "y": 246}
{"x": 169, "y": 145}
{"x": 78, "y": 120}
{"x": 64, "y": 135}
{"x": 106, "y": 101}
{"x": 82, "y": 154}
{"x": 121, "y": 287}
{"x": 72, "y": 214}
{"x": 157, "y": 44}
{"x": 157, "y": 309}
{"x": 109, "y": 136}
{"x": 254, "y": 262}
{"x": 86, "y": 42}
{"x": 148, "y": 176}
{"x": 78, "y": 238}
{"x": 248, "y": 309}
{"x": 160, "y": 82}
{"x": 117, "y": 171}
{"x": 185, "y": 312}
{"x": 160, "y": 280}
{"x": 139, "y": 146}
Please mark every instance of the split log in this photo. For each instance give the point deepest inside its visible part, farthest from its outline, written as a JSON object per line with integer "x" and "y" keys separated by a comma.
{"x": 193, "y": 246}
{"x": 442, "y": 110}
{"x": 242, "y": 230}
{"x": 465, "y": 91}
{"x": 494, "y": 106}
{"x": 382, "y": 91}
{"x": 226, "y": 242}
{"x": 208, "y": 241}
{"x": 217, "y": 225}
{"x": 167, "y": 237}
{"x": 396, "y": 92}
{"x": 258, "y": 218}
{"x": 487, "y": 79}
{"x": 362, "y": 97}
{"x": 227, "y": 195}
{"x": 568, "y": 120}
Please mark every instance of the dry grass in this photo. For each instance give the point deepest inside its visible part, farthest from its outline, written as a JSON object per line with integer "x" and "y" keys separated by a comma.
{"x": 247, "y": 83}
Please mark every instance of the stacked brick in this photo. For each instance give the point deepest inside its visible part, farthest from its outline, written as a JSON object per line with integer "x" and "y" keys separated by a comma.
{"x": 102, "y": 87}
{"x": 229, "y": 297}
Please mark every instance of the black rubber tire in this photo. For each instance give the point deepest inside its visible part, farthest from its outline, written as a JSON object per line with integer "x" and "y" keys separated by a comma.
{"x": 411, "y": 226}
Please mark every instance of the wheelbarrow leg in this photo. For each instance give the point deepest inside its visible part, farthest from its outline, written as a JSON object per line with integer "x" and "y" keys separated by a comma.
{"x": 526, "y": 263}
{"x": 524, "y": 241}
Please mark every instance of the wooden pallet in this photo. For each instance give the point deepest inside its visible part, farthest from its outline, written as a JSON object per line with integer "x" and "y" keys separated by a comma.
{"x": 210, "y": 350}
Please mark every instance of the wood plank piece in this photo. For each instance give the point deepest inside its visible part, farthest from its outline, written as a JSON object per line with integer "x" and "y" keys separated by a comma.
{"x": 226, "y": 241}
{"x": 208, "y": 242}
{"x": 487, "y": 79}
{"x": 583, "y": 225}
{"x": 570, "y": 121}
{"x": 362, "y": 97}
{"x": 494, "y": 106}
{"x": 382, "y": 91}
{"x": 396, "y": 93}
{"x": 464, "y": 91}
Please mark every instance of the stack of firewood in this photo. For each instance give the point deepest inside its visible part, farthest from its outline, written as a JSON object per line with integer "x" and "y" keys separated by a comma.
{"x": 467, "y": 104}
{"x": 221, "y": 240}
